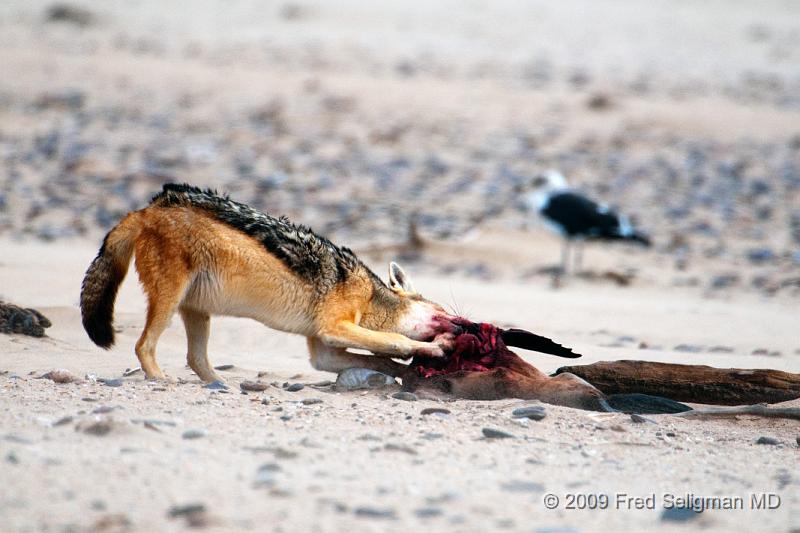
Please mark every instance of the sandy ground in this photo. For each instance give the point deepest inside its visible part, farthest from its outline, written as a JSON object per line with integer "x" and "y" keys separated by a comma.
{"x": 354, "y": 118}
{"x": 365, "y": 461}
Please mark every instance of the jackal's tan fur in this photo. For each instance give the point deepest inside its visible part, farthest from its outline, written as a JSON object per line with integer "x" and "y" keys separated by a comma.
{"x": 192, "y": 262}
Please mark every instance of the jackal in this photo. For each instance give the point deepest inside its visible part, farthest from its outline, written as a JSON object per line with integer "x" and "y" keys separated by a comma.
{"x": 202, "y": 254}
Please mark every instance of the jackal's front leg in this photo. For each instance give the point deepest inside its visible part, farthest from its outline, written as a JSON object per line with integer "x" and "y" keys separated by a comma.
{"x": 350, "y": 335}
{"x": 332, "y": 359}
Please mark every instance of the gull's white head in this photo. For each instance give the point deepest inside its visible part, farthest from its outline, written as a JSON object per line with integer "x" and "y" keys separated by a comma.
{"x": 542, "y": 186}
{"x": 549, "y": 180}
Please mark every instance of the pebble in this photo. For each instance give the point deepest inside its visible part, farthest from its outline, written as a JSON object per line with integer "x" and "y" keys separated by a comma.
{"x": 190, "y": 434}
{"x": 797, "y": 440}
{"x": 375, "y": 512}
{"x": 428, "y": 512}
{"x": 688, "y": 348}
{"x": 770, "y": 441}
{"x": 435, "y": 411}
{"x": 294, "y": 387}
{"x": 223, "y": 367}
{"x": 61, "y": 375}
{"x": 63, "y": 421}
{"x": 130, "y": 372}
{"x": 491, "y": 433}
{"x": 322, "y": 384}
{"x": 534, "y": 412}
{"x": 678, "y": 514}
{"x": 253, "y": 386}
{"x": 522, "y": 486}
{"x": 194, "y": 513}
{"x": 405, "y": 396}
{"x": 362, "y": 378}
{"x": 112, "y": 382}
{"x": 98, "y": 428}
{"x": 265, "y": 475}
{"x": 392, "y": 447}
{"x": 639, "y": 419}
{"x": 216, "y": 385}
{"x": 311, "y": 401}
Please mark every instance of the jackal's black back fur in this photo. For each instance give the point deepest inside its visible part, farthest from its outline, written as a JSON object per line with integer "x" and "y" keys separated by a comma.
{"x": 311, "y": 256}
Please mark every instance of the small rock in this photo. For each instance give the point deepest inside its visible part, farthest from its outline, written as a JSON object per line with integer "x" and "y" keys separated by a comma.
{"x": 62, "y": 421}
{"x": 435, "y": 411}
{"x": 265, "y": 475}
{"x": 98, "y": 428}
{"x": 768, "y": 441}
{"x": 688, "y": 348}
{"x": 392, "y": 447}
{"x": 362, "y": 378}
{"x": 223, "y": 367}
{"x": 69, "y": 13}
{"x": 311, "y": 401}
{"x": 115, "y": 382}
{"x": 294, "y": 387}
{"x": 428, "y": 512}
{"x": 639, "y": 419}
{"x": 533, "y": 412}
{"x": 322, "y": 384}
{"x": 216, "y": 385}
{"x": 253, "y": 386}
{"x": 522, "y": 486}
{"x": 491, "y": 433}
{"x": 375, "y": 512}
{"x": 194, "y": 513}
{"x": 405, "y": 396}
{"x": 678, "y": 514}
{"x": 194, "y": 434}
{"x": 130, "y": 372}
{"x": 103, "y": 409}
{"x": 60, "y": 375}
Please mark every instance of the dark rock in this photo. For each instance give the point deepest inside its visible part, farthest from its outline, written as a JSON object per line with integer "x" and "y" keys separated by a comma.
{"x": 639, "y": 419}
{"x": 311, "y": 401}
{"x": 434, "y": 411}
{"x": 111, "y": 382}
{"x": 522, "y": 486}
{"x": 491, "y": 433}
{"x": 216, "y": 385}
{"x": 223, "y": 367}
{"x": 69, "y": 14}
{"x": 760, "y": 255}
{"x": 768, "y": 441}
{"x": 428, "y": 512}
{"x": 534, "y": 412}
{"x": 61, "y": 375}
{"x": 191, "y": 434}
{"x": 678, "y": 514}
{"x": 294, "y": 387}
{"x": 688, "y": 348}
{"x": 253, "y": 386}
{"x": 362, "y": 378}
{"x": 405, "y": 396}
{"x": 375, "y": 512}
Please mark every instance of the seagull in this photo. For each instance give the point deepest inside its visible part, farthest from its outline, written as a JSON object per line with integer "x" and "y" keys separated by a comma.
{"x": 576, "y": 217}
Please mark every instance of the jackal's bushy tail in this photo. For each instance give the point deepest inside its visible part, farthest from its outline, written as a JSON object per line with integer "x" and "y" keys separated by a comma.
{"x": 102, "y": 280}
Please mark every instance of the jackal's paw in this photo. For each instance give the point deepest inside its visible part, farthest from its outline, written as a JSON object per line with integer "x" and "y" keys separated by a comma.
{"x": 442, "y": 344}
{"x": 428, "y": 350}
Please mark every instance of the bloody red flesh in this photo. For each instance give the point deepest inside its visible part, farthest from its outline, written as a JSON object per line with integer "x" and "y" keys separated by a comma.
{"x": 478, "y": 348}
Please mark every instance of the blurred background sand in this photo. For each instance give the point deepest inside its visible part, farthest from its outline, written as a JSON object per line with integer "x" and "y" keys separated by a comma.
{"x": 362, "y": 119}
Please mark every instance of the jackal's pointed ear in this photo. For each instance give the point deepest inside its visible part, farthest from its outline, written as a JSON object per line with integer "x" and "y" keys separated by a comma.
{"x": 399, "y": 280}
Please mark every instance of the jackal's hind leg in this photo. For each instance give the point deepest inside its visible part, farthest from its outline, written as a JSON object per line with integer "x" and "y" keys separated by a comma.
{"x": 198, "y": 325}
{"x": 331, "y": 359}
{"x": 164, "y": 293}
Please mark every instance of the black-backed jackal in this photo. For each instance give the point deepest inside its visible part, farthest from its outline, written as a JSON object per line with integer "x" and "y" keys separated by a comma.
{"x": 202, "y": 254}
